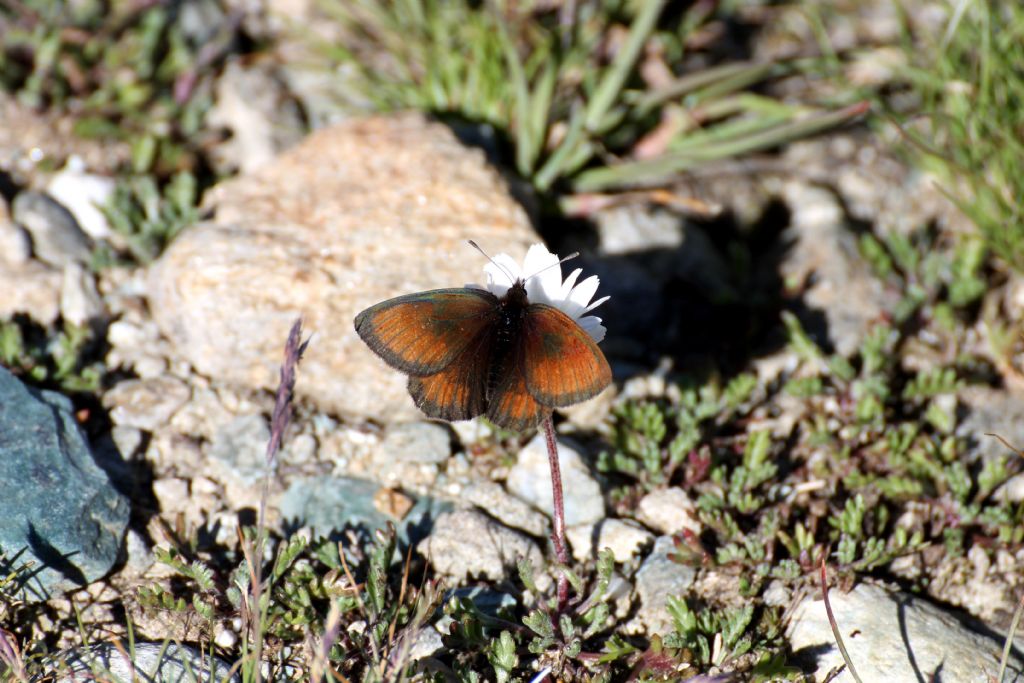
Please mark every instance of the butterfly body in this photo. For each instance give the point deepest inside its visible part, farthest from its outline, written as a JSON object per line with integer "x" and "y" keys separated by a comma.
{"x": 469, "y": 352}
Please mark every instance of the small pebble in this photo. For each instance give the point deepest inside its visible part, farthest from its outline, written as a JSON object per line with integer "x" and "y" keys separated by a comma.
{"x": 669, "y": 511}
{"x": 624, "y": 538}
{"x": 467, "y": 544}
{"x": 56, "y": 237}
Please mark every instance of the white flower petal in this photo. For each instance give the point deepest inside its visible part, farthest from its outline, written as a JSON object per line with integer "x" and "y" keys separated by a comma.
{"x": 542, "y": 273}
{"x": 597, "y": 303}
{"x": 569, "y": 283}
{"x": 544, "y": 283}
{"x": 584, "y": 291}
{"x": 502, "y": 272}
{"x": 591, "y": 324}
{"x": 537, "y": 259}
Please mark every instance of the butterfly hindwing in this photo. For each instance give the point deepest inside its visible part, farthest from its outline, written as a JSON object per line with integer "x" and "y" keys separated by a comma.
{"x": 421, "y": 334}
{"x": 562, "y": 364}
{"x": 510, "y": 405}
{"x": 459, "y": 392}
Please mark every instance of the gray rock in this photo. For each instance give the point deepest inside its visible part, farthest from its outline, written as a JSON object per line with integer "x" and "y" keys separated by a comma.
{"x": 530, "y": 480}
{"x": 240, "y": 448}
{"x": 330, "y": 234}
{"x": 148, "y": 663}
{"x": 991, "y": 411}
{"x": 893, "y": 636}
{"x": 409, "y": 454}
{"x": 492, "y": 498}
{"x": 686, "y": 252}
{"x": 658, "y": 578}
{"x": 466, "y": 544}
{"x": 58, "y": 509}
{"x": 669, "y": 511}
{"x": 426, "y": 643}
{"x": 146, "y": 404}
{"x": 416, "y": 442}
{"x": 1011, "y": 490}
{"x": 127, "y": 440}
{"x": 330, "y": 504}
{"x": 139, "y": 555}
{"x": 252, "y": 103}
{"x": 56, "y": 237}
{"x": 825, "y": 257}
{"x": 80, "y": 301}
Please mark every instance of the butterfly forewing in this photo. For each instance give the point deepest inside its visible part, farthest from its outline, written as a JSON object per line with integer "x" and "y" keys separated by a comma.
{"x": 421, "y": 334}
{"x": 562, "y": 364}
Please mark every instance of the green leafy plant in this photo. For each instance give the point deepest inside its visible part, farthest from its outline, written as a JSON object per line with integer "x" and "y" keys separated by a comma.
{"x": 653, "y": 439}
{"x": 935, "y": 279}
{"x": 149, "y": 218}
{"x": 61, "y": 359}
{"x": 901, "y": 447}
{"x": 575, "y": 108}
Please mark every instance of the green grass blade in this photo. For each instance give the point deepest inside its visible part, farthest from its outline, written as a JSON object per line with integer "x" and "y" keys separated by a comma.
{"x": 611, "y": 83}
{"x": 659, "y": 169}
{"x": 552, "y": 168}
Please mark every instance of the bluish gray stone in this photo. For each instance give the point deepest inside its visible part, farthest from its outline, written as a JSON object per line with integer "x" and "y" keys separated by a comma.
{"x": 58, "y": 509}
{"x": 330, "y": 504}
{"x": 240, "y": 447}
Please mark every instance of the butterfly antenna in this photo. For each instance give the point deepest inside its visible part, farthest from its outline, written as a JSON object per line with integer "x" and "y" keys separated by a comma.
{"x": 560, "y": 261}
{"x": 486, "y": 256}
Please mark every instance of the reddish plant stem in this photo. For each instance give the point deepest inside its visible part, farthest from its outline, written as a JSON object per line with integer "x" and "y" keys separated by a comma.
{"x": 558, "y": 516}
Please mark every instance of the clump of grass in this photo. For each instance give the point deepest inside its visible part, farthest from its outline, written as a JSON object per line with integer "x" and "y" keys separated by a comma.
{"x": 972, "y": 88}
{"x": 569, "y": 92}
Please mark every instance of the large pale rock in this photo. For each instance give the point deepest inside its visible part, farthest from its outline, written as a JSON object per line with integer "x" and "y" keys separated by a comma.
{"x": 895, "y": 637}
{"x": 359, "y": 212}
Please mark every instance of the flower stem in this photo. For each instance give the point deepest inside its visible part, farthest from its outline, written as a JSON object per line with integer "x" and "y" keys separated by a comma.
{"x": 558, "y": 517}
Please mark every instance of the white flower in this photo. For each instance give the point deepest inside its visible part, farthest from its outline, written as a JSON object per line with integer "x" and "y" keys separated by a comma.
{"x": 544, "y": 285}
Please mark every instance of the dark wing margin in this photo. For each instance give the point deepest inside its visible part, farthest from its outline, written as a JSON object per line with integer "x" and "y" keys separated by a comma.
{"x": 562, "y": 364}
{"x": 421, "y": 334}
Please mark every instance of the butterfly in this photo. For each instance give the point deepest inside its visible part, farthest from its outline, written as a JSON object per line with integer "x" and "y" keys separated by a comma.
{"x": 494, "y": 352}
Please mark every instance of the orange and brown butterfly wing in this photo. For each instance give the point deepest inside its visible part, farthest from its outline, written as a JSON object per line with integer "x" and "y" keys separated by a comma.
{"x": 459, "y": 392}
{"x": 510, "y": 405}
{"x": 562, "y": 364}
{"x": 421, "y": 334}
